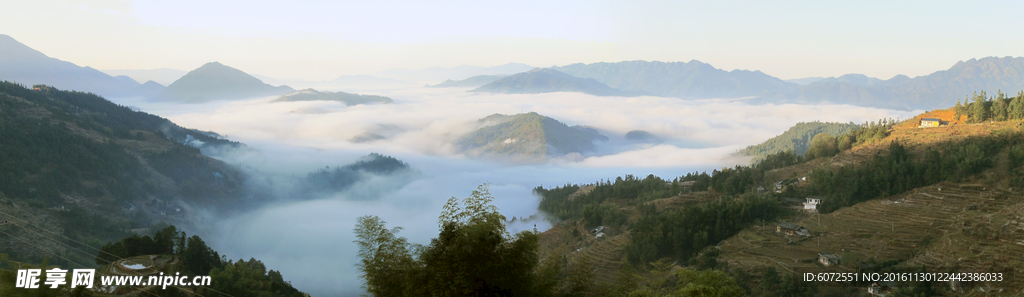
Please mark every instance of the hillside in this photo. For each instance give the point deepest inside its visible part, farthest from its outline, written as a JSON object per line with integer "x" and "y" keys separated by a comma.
{"x": 796, "y": 139}
{"x": 968, "y": 222}
{"x": 93, "y": 170}
{"x": 347, "y": 98}
{"x": 22, "y": 64}
{"x": 947, "y": 198}
{"x": 215, "y": 81}
{"x": 471, "y": 82}
{"x": 527, "y": 137}
{"x": 543, "y": 80}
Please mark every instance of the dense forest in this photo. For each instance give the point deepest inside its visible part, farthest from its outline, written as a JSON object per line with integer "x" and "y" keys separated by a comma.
{"x": 675, "y": 233}
{"x": 54, "y": 140}
{"x": 980, "y": 108}
{"x": 94, "y": 169}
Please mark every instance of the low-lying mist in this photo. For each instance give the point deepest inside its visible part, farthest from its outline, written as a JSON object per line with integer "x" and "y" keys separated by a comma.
{"x": 310, "y": 240}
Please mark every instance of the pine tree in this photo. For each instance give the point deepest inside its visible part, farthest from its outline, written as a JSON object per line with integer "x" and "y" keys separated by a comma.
{"x": 979, "y": 110}
{"x": 1016, "y": 109}
{"x": 999, "y": 109}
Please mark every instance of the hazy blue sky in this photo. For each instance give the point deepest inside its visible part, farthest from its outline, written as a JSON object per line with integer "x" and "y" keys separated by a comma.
{"x": 325, "y": 39}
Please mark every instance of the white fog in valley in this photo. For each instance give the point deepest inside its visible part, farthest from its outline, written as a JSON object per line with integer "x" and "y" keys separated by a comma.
{"x": 310, "y": 241}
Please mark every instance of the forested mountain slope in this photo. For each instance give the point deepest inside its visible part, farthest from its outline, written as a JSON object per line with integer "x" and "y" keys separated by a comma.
{"x": 93, "y": 170}
{"x": 898, "y": 198}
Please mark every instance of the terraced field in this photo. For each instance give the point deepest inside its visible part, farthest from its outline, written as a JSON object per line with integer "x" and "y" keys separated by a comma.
{"x": 606, "y": 256}
{"x": 969, "y": 227}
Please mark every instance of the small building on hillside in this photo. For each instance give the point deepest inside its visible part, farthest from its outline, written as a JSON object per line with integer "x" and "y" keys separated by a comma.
{"x": 599, "y": 229}
{"x": 760, "y": 190}
{"x": 812, "y": 204}
{"x": 792, "y": 229}
{"x": 828, "y": 259}
{"x": 930, "y": 123}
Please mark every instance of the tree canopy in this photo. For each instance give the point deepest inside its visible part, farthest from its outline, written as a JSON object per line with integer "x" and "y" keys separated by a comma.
{"x": 474, "y": 255}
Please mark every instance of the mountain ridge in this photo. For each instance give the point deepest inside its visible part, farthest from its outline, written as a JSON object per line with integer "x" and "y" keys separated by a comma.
{"x": 23, "y": 64}
{"x": 473, "y": 82}
{"x": 215, "y": 81}
{"x": 546, "y": 80}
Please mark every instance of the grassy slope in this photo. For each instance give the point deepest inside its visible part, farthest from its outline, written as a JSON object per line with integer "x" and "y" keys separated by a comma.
{"x": 943, "y": 225}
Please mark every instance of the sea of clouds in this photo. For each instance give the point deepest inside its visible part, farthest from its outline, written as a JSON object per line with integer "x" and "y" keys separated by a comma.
{"x": 310, "y": 241}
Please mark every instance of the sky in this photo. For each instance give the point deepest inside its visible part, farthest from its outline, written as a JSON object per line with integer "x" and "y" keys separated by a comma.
{"x": 320, "y": 40}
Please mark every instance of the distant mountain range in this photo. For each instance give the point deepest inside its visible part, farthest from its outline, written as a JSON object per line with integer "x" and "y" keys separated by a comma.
{"x": 22, "y": 64}
{"x": 804, "y": 81}
{"x": 215, "y": 81}
{"x": 527, "y": 137}
{"x": 696, "y": 80}
{"x": 546, "y": 80}
{"x": 691, "y": 80}
{"x": 436, "y": 74}
{"x": 687, "y": 80}
{"x": 348, "y": 98}
{"x": 163, "y": 76}
{"x": 471, "y": 82}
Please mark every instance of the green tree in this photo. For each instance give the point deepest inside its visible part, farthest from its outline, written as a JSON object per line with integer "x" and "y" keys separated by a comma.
{"x": 979, "y": 109}
{"x": 707, "y": 283}
{"x": 247, "y": 278}
{"x": 1016, "y": 108}
{"x": 822, "y": 145}
{"x": 472, "y": 256}
{"x": 386, "y": 259}
{"x": 164, "y": 240}
{"x": 1000, "y": 109}
{"x": 198, "y": 258}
